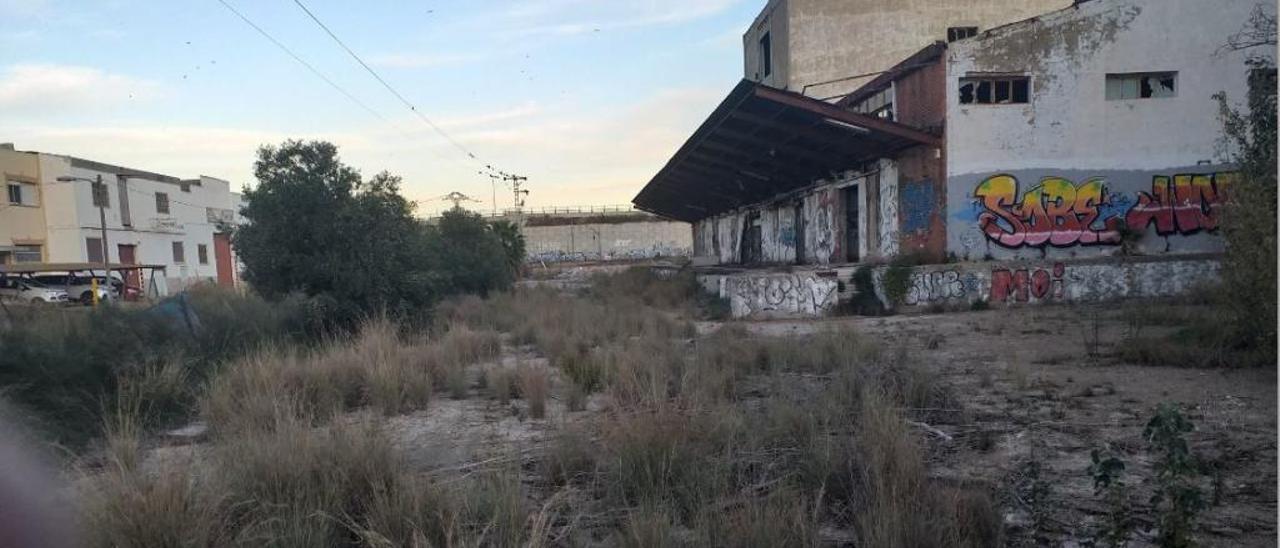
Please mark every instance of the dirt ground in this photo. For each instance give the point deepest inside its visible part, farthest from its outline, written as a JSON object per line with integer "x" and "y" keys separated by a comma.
{"x": 1025, "y": 389}
{"x": 1028, "y": 391}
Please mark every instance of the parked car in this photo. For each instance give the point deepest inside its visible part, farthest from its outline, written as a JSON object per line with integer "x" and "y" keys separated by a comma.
{"x": 79, "y": 288}
{"x": 30, "y": 291}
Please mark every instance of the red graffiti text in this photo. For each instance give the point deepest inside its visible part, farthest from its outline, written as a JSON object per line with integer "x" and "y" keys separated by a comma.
{"x": 1025, "y": 284}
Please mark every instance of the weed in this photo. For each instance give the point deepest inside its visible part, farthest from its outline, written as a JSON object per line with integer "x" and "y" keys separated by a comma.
{"x": 535, "y": 384}
{"x": 1177, "y": 498}
{"x": 1108, "y": 484}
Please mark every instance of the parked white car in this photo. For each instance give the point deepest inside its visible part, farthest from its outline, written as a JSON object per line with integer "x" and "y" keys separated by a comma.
{"x": 30, "y": 291}
{"x": 78, "y": 288}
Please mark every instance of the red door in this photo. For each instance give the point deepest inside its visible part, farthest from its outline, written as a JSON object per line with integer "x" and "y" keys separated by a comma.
{"x": 128, "y": 255}
{"x": 222, "y": 259}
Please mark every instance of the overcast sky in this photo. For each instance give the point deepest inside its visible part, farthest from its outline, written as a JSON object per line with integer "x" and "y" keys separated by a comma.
{"x": 588, "y": 98}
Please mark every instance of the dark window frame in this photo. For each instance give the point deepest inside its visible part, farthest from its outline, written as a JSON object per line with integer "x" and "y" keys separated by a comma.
{"x": 179, "y": 253}
{"x": 960, "y": 33}
{"x": 202, "y": 253}
{"x": 766, "y": 54}
{"x": 1146, "y": 85}
{"x": 162, "y": 203}
{"x": 995, "y": 90}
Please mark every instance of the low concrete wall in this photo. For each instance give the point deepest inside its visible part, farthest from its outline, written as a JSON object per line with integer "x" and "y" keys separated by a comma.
{"x": 581, "y": 240}
{"x": 1048, "y": 281}
{"x": 768, "y": 295}
{"x": 764, "y": 294}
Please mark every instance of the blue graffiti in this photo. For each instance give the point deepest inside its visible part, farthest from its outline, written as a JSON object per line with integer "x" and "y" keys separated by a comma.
{"x": 917, "y": 205}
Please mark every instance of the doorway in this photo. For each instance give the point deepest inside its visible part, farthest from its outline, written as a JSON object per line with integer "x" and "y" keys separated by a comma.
{"x": 851, "y": 236}
{"x": 751, "y": 252}
{"x": 798, "y": 228}
{"x": 222, "y": 259}
{"x": 129, "y": 255}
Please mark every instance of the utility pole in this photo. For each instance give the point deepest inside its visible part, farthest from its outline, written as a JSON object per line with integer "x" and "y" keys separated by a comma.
{"x": 493, "y": 186}
{"x": 515, "y": 187}
{"x": 100, "y": 195}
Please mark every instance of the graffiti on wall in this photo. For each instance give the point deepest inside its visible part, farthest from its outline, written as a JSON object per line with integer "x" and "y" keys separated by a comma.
{"x": 1025, "y": 284}
{"x": 917, "y": 205}
{"x": 1058, "y": 212}
{"x": 785, "y": 295}
{"x": 940, "y": 285}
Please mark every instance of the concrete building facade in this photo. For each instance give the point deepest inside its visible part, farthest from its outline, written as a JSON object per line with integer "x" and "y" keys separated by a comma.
{"x": 1118, "y": 140}
{"x": 23, "y": 238}
{"x": 150, "y": 218}
{"x": 1088, "y": 133}
{"x": 798, "y": 45}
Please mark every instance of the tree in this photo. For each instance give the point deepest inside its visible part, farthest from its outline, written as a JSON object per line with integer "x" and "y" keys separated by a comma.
{"x": 1249, "y": 214}
{"x": 314, "y": 226}
{"x": 512, "y": 242}
{"x": 476, "y": 258}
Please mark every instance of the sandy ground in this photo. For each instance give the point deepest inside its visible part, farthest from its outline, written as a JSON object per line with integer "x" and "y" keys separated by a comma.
{"x": 1028, "y": 391}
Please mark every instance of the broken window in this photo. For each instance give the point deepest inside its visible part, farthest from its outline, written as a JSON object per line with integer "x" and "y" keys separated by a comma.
{"x": 766, "y": 55}
{"x": 879, "y": 105}
{"x": 162, "y": 203}
{"x": 960, "y": 33}
{"x": 994, "y": 91}
{"x": 1141, "y": 85}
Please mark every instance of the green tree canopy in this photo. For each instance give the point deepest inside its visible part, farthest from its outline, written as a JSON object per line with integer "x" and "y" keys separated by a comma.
{"x": 314, "y": 226}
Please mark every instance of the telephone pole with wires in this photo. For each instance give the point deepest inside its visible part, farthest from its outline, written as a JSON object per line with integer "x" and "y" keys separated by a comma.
{"x": 519, "y": 193}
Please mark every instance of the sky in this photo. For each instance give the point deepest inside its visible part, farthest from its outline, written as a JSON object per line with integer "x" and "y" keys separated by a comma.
{"x": 587, "y": 98}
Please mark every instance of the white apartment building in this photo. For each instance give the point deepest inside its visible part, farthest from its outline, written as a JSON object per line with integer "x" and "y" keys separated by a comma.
{"x": 150, "y": 218}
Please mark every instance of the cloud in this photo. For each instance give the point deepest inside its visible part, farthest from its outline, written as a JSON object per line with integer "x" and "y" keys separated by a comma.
{"x": 571, "y": 17}
{"x": 24, "y": 8}
{"x": 571, "y": 156}
{"x": 47, "y": 88}
{"x": 421, "y": 60}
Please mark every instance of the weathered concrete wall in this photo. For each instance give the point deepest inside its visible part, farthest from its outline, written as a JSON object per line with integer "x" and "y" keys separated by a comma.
{"x": 771, "y": 295}
{"x": 608, "y": 241}
{"x": 831, "y": 39}
{"x": 1049, "y": 281}
{"x": 1064, "y": 174}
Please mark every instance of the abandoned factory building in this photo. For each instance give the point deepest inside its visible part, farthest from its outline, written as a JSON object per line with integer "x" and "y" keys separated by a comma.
{"x": 1084, "y": 132}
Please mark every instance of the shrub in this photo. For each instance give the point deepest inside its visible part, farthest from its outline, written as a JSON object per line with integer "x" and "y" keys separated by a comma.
{"x": 535, "y": 384}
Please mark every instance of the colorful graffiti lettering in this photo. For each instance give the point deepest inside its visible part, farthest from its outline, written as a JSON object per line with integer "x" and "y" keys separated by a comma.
{"x": 1023, "y": 285}
{"x": 1055, "y": 212}
{"x": 1182, "y": 204}
{"x": 1059, "y": 213}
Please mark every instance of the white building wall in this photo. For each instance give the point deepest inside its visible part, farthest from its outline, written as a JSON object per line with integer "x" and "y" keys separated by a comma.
{"x": 72, "y": 218}
{"x": 1069, "y": 142}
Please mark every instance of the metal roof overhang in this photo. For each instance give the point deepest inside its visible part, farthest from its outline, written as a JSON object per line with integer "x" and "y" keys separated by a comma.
{"x": 34, "y": 268}
{"x": 761, "y": 142}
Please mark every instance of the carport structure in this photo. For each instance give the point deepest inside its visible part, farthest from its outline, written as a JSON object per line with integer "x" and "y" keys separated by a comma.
{"x": 28, "y": 270}
{"x": 762, "y": 142}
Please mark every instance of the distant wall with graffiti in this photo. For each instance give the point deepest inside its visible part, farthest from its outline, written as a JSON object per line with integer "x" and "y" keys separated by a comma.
{"x": 1074, "y": 213}
{"x": 1049, "y": 281}
{"x": 807, "y": 223}
{"x": 764, "y": 295}
{"x": 607, "y": 241}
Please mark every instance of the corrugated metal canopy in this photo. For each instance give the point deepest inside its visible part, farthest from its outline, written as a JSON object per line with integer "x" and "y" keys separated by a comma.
{"x": 33, "y": 268}
{"x": 761, "y": 142}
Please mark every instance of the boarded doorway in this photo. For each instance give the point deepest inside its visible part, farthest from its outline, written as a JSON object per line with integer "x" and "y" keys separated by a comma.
{"x": 222, "y": 259}
{"x": 851, "y": 236}
{"x": 129, "y": 255}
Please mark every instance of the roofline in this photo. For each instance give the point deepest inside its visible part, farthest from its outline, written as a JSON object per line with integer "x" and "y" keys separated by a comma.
{"x": 121, "y": 171}
{"x": 926, "y": 56}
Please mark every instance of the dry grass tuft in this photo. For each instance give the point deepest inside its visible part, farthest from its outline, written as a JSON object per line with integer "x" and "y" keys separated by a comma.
{"x": 535, "y": 385}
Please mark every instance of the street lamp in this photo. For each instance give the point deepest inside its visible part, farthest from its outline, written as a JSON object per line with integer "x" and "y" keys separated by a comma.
{"x": 101, "y": 201}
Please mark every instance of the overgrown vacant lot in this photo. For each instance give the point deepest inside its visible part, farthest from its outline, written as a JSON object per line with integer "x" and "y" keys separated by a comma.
{"x": 618, "y": 417}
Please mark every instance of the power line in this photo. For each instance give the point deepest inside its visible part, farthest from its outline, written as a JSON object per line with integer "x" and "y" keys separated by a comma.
{"x": 384, "y": 83}
{"x": 321, "y": 75}
{"x": 303, "y": 62}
